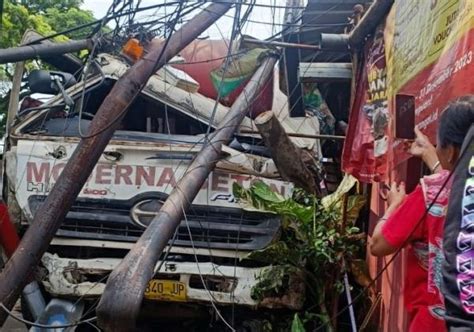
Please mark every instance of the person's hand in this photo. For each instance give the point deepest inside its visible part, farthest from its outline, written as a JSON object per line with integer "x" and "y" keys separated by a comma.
{"x": 396, "y": 195}
{"x": 423, "y": 148}
{"x": 422, "y": 145}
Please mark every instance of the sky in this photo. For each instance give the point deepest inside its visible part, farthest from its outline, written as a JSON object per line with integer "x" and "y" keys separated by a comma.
{"x": 261, "y": 28}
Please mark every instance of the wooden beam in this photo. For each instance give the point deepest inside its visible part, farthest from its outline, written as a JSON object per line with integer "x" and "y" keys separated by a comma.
{"x": 324, "y": 71}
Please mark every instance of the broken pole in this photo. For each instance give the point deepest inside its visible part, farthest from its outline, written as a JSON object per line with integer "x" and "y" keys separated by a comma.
{"x": 79, "y": 167}
{"x": 120, "y": 303}
{"x": 16, "y": 54}
{"x": 289, "y": 159}
{"x": 356, "y": 38}
{"x": 371, "y": 19}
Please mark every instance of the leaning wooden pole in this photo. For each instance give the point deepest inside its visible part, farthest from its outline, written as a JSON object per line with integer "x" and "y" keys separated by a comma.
{"x": 289, "y": 159}
{"x": 20, "y": 53}
{"x": 79, "y": 167}
{"x": 355, "y": 40}
{"x": 371, "y": 19}
{"x": 123, "y": 294}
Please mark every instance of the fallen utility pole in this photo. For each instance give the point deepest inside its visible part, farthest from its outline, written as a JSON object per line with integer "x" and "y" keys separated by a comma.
{"x": 9, "y": 240}
{"x": 16, "y": 54}
{"x": 123, "y": 294}
{"x": 290, "y": 160}
{"x": 79, "y": 167}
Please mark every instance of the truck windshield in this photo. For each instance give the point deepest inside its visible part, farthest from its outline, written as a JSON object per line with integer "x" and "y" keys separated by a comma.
{"x": 145, "y": 115}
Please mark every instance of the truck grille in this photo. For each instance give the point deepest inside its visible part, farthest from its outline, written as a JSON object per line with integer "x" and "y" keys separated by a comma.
{"x": 210, "y": 227}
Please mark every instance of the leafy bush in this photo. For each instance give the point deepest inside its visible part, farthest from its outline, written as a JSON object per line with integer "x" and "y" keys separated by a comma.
{"x": 319, "y": 240}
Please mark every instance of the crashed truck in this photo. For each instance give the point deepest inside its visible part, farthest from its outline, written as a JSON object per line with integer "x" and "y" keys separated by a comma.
{"x": 205, "y": 262}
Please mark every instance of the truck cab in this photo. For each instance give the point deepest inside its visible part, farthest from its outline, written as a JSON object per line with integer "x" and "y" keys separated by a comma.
{"x": 205, "y": 264}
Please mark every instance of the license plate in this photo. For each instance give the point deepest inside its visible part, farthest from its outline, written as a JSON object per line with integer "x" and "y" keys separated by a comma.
{"x": 166, "y": 290}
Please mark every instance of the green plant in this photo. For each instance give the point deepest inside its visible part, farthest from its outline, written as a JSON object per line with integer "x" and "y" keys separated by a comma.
{"x": 318, "y": 238}
{"x": 297, "y": 324}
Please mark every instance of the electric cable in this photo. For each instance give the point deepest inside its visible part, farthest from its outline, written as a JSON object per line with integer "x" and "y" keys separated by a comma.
{"x": 86, "y": 25}
{"x": 399, "y": 249}
{"x": 86, "y": 321}
{"x": 219, "y": 314}
{"x": 224, "y": 70}
{"x": 194, "y": 250}
{"x": 44, "y": 326}
{"x": 113, "y": 121}
{"x": 39, "y": 325}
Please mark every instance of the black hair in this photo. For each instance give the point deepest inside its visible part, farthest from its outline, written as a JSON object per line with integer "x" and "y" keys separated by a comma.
{"x": 455, "y": 121}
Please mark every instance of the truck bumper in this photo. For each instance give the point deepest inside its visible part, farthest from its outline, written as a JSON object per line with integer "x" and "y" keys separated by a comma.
{"x": 68, "y": 277}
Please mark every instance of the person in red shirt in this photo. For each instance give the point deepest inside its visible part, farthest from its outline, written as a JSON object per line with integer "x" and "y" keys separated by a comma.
{"x": 416, "y": 221}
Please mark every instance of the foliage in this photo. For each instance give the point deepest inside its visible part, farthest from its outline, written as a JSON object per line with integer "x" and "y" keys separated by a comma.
{"x": 16, "y": 20}
{"x": 317, "y": 240}
{"x": 41, "y": 6}
{"x": 272, "y": 281}
{"x": 297, "y": 324}
{"x": 44, "y": 16}
{"x": 61, "y": 20}
{"x": 261, "y": 197}
{"x": 59, "y": 16}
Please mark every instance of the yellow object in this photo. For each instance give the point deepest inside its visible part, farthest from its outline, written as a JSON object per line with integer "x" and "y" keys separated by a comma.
{"x": 133, "y": 49}
{"x": 166, "y": 290}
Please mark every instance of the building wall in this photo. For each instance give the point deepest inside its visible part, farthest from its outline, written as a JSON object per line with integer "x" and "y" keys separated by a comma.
{"x": 393, "y": 317}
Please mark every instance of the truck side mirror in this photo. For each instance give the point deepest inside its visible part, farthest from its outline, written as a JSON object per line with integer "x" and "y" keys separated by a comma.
{"x": 49, "y": 82}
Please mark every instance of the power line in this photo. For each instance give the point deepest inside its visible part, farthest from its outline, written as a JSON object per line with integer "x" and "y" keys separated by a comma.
{"x": 407, "y": 241}
{"x": 44, "y": 326}
{"x": 235, "y": 27}
{"x": 125, "y": 110}
{"x": 86, "y": 25}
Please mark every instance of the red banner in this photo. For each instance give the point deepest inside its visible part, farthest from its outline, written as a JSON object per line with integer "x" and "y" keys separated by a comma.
{"x": 428, "y": 56}
{"x": 366, "y": 143}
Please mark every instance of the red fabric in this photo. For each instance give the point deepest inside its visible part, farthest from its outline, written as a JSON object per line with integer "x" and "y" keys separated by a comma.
{"x": 9, "y": 239}
{"x": 423, "y": 299}
{"x": 422, "y": 320}
{"x": 358, "y": 152}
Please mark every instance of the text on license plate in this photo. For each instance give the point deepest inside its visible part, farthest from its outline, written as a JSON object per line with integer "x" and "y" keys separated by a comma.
{"x": 166, "y": 290}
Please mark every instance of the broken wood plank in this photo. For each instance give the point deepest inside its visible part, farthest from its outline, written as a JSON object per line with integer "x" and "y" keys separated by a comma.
{"x": 290, "y": 160}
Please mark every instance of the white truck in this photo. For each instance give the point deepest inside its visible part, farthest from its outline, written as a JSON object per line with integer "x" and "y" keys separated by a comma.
{"x": 164, "y": 128}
